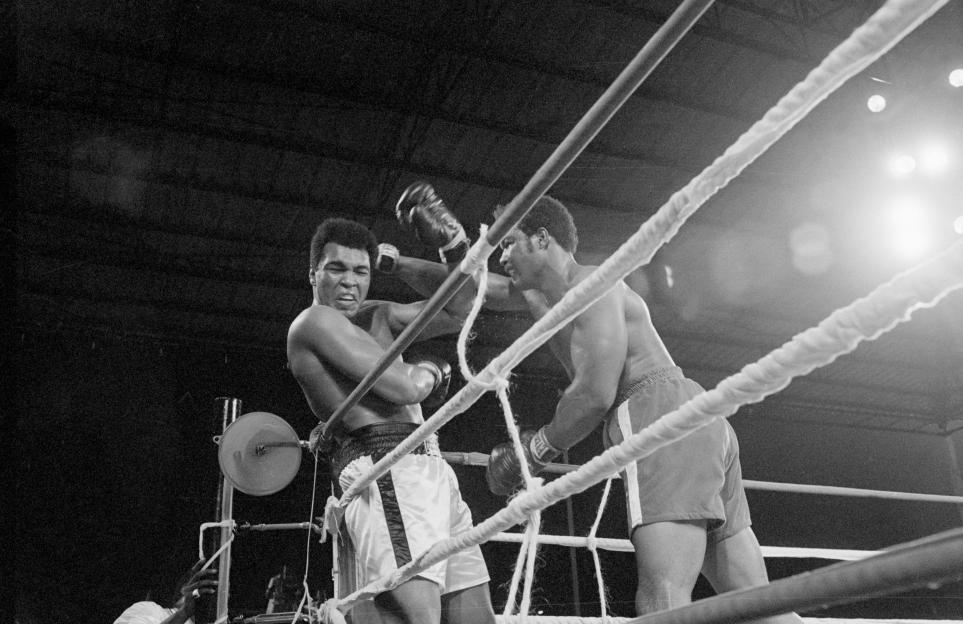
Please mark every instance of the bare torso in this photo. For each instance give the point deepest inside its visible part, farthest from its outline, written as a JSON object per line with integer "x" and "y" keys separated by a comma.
{"x": 645, "y": 349}
{"x": 324, "y": 385}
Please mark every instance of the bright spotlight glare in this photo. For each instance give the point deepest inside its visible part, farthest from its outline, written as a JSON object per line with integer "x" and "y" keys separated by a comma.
{"x": 956, "y": 78}
{"x": 958, "y": 225}
{"x": 876, "y": 103}
{"x": 934, "y": 159}
{"x": 905, "y": 213}
{"x": 902, "y": 165}
{"x": 908, "y": 231}
{"x": 911, "y": 244}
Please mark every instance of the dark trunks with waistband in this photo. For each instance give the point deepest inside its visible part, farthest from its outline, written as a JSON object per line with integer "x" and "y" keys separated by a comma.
{"x": 375, "y": 441}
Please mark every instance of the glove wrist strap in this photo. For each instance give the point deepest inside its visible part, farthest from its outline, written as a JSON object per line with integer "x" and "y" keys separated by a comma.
{"x": 387, "y": 260}
{"x": 456, "y": 250}
{"x": 542, "y": 450}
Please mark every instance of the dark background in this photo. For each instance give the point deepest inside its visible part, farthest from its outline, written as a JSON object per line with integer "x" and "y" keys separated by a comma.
{"x": 164, "y": 165}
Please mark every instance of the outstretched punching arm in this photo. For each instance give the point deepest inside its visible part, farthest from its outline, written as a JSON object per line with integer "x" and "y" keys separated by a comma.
{"x": 421, "y": 212}
{"x": 426, "y": 277}
{"x": 598, "y": 349}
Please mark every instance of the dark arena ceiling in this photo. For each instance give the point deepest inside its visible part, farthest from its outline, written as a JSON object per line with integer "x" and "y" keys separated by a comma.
{"x": 174, "y": 157}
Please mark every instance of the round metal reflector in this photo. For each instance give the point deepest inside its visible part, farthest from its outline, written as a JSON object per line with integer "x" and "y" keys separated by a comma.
{"x": 259, "y": 453}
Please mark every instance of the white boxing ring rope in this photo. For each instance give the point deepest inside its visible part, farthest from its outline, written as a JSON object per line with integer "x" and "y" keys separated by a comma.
{"x": 481, "y": 459}
{"x": 840, "y": 333}
{"x": 866, "y": 318}
{"x": 624, "y": 545}
{"x": 882, "y": 31}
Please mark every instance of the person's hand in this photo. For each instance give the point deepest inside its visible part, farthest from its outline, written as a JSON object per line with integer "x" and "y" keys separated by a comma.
{"x": 441, "y": 370}
{"x": 200, "y": 583}
{"x": 504, "y": 474}
{"x": 419, "y": 209}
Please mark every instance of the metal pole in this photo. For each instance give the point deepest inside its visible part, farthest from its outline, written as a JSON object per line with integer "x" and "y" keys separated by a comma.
{"x": 284, "y": 526}
{"x": 229, "y": 412}
{"x": 572, "y": 552}
{"x": 661, "y": 43}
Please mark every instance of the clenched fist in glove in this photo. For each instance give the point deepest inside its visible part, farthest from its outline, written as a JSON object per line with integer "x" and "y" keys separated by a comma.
{"x": 504, "y": 473}
{"x": 441, "y": 370}
{"x": 387, "y": 260}
{"x": 421, "y": 210}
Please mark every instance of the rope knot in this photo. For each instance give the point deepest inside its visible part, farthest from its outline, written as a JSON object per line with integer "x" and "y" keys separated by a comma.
{"x": 476, "y": 259}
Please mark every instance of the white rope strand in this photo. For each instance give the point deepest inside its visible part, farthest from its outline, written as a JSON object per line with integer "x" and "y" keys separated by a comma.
{"x": 510, "y": 600}
{"x": 866, "y": 44}
{"x": 591, "y": 542}
{"x": 837, "y": 335}
{"x": 624, "y": 545}
{"x": 832, "y": 490}
{"x": 306, "y": 598}
{"x": 866, "y": 318}
{"x": 481, "y": 459}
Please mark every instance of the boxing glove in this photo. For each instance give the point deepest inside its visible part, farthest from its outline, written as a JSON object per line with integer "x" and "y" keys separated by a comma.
{"x": 441, "y": 370}
{"x": 419, "y": 209}
{"x": 504, "y": 473}
{"x": 387, "y": 260}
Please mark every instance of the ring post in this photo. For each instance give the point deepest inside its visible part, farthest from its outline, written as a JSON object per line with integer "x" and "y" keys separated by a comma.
{"x": 230, "y": 410}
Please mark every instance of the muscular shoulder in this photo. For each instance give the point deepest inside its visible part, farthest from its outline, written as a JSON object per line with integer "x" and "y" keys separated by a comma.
{"x": 316, "y": 320}
{"x": 615, "y": 296}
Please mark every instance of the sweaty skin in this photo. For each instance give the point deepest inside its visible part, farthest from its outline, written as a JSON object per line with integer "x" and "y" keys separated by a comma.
{"x": 335, "y": 342}
{"x": 608, "y": 345}
{"x": 332, "y": 345}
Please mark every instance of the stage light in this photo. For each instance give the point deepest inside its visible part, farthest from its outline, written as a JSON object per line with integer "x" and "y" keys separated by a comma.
{"x": 934, "y": 159}
{"x": 908, "y": 231}
{"x": 911, "y": 245}
{"x": 905, "y": 213}
{"x": 902, "y": 164}
{"x": 956, "y": 78}
{"x": 876, "y": 103}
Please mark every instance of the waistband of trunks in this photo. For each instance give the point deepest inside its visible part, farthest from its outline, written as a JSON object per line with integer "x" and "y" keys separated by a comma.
{"x": 653, "y": 376}
{"x": 376, "y": 441}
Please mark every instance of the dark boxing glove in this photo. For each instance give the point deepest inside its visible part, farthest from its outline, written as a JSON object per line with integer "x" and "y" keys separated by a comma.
{"x": 441, "y": 370}
{"x": 504, "y": 473}
{"x": 387, "y": 260}
{"x": 420, "y": 209}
